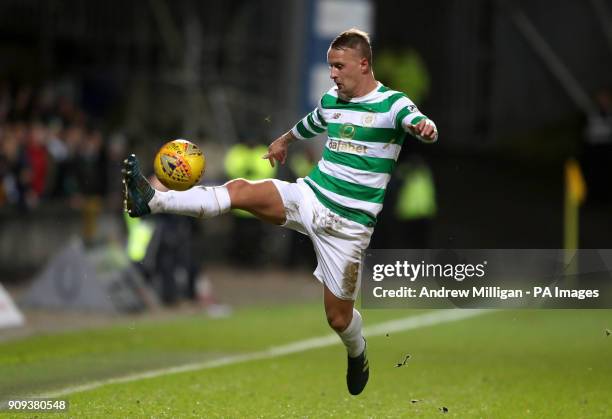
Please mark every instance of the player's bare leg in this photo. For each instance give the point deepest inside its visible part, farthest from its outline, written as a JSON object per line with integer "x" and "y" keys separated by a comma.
{"x": 346, "y": 321}
{"x": 260, "y": 198}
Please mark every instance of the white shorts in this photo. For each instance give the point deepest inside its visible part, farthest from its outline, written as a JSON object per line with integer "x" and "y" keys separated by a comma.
{"x": 338, "y": 242}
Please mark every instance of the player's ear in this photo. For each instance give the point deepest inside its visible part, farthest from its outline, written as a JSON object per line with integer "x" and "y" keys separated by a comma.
{"x": 364, "y": 65}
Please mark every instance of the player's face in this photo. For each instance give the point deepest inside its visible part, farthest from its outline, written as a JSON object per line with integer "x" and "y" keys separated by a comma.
{"x": 347, "y": 69}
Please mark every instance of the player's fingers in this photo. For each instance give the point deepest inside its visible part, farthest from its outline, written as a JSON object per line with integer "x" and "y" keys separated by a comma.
{"x": 431, "y": 133}
{"x": 269, "y": 157}
{"x": 417, "y": 130}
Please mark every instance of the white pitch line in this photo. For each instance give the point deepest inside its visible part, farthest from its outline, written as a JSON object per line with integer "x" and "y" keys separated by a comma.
{"x": 399, "y": 325}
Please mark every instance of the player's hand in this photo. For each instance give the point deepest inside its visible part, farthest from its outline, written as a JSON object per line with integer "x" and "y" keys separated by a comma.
{"x": 425, "y": 130}
{"x": 277, "y": 151}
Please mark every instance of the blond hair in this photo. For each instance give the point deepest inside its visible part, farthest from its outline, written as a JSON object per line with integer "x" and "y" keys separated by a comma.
{"x": 354, "y": 39}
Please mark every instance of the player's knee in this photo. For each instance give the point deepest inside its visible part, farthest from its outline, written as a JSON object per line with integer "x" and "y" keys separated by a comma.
{"x": 237, "y": 185}
{"x": 237, "y": 188}
{"x": 338, "y": 321}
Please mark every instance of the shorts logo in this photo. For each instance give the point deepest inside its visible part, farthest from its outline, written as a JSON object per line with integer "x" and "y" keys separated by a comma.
{"x": 336, "y": 115}
{"x": 347, "y": 131}
{"x": 368, "y": 119}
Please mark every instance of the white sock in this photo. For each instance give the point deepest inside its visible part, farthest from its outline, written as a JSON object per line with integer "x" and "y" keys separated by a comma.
{"x": 198, "y": 201}
{"x": 352, "y": 337}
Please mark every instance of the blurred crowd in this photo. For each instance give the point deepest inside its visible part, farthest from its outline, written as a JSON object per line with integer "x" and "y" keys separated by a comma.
{"x": 50, "y": 149}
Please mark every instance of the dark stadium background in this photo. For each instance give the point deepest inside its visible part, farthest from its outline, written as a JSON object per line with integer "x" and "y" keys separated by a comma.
{"x": 507, "y": 124}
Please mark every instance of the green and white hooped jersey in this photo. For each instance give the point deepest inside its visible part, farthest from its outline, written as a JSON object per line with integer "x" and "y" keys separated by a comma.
{"x": 365, "y": 136}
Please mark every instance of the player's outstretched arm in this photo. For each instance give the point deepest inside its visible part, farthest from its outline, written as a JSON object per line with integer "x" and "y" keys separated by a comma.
{"x": 278, "y": 149}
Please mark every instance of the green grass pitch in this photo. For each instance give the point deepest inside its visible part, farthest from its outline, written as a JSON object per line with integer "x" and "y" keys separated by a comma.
{"x": 515, "y": 364}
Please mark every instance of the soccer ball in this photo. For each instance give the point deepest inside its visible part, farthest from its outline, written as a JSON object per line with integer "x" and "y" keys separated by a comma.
{"x": 179, "y": 164}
